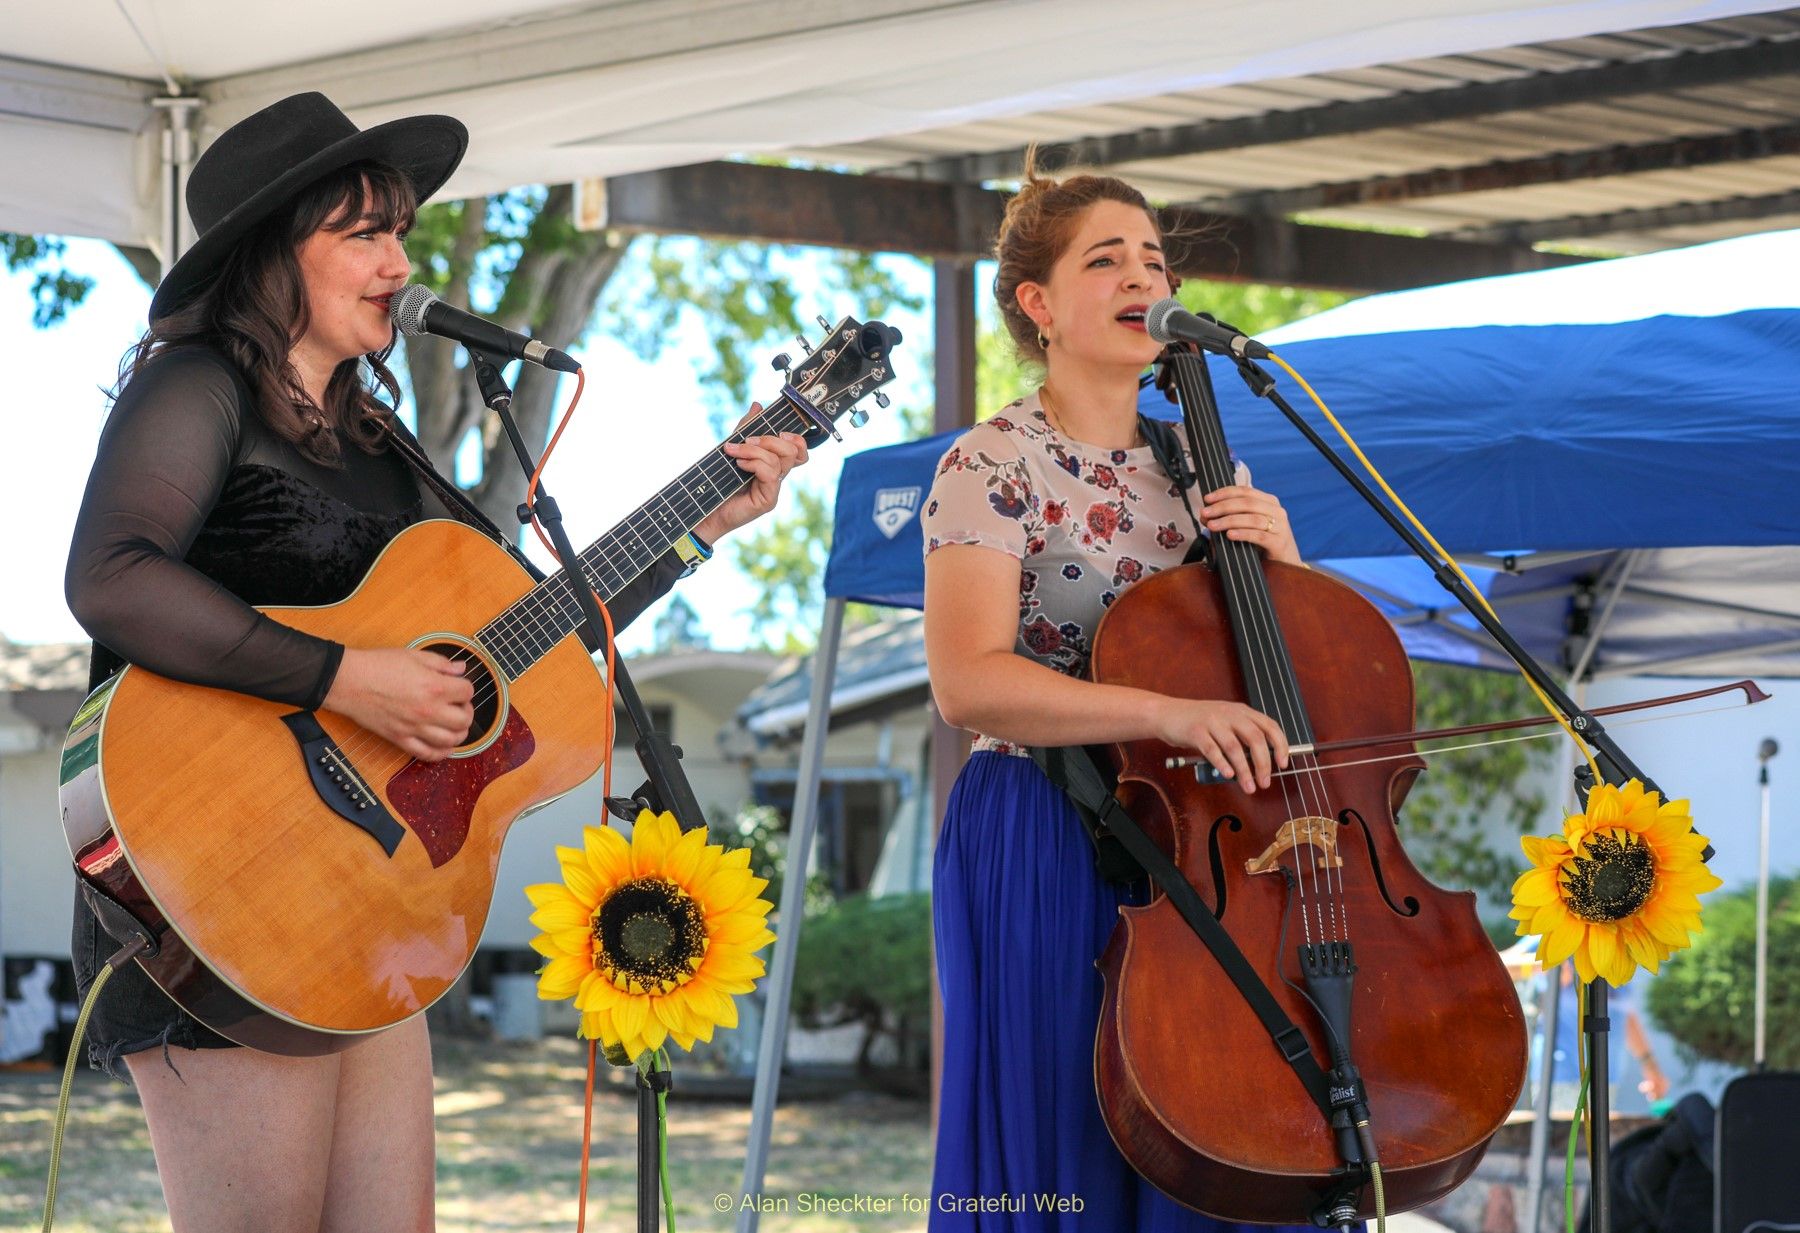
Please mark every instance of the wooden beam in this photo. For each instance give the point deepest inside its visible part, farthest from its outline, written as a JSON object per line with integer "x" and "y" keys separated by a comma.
{"x": 1732, "y": 209}
{"x": 954, "y": 354}
{"x": 783, "y": 205}
{"x": 958, "y": 222}
{"x": 1684, "y": 152}
{"x": 1663, "y": 74}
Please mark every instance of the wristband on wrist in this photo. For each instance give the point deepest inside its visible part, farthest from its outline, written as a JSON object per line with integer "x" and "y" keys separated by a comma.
{"x": 693, "y": 552}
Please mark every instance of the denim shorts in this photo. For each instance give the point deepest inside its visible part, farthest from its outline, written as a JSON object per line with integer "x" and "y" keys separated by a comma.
{"x": 132, "y": 1014}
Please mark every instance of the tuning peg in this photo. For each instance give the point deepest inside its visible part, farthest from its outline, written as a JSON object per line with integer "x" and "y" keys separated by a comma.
{"x": 823, "y": 324}
{"x": 804, "y": 345}
{"x": 881, "y": 400}
{"x": 859, "y": 417}
{"x": 781, "y": 363}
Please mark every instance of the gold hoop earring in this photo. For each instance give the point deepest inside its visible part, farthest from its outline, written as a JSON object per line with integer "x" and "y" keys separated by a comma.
{"x": 1043, "y": 342}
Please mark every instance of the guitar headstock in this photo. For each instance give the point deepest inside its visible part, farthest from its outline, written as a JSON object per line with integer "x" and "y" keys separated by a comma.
{"x": 853, "y": 360}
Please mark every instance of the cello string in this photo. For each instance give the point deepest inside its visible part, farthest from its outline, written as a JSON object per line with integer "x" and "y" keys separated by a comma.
{"x": 1244, "y": 576}
{"x": 1236, "y": 564}
{"x": 1239, "y": 569}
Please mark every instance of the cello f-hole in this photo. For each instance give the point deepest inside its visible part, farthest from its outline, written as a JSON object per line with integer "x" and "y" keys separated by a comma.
{"x": 1411, "y": 907}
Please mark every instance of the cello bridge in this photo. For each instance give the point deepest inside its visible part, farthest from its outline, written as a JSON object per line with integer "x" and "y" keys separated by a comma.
{"x": 1315, "y": 832}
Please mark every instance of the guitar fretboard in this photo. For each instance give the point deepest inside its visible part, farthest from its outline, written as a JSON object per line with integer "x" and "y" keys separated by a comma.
{"x": 550, "y": 612}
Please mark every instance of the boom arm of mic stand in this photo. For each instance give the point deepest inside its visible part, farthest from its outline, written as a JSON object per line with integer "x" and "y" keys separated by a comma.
{"x": 668, "y": 786}
{"x": 1615, "y": 765}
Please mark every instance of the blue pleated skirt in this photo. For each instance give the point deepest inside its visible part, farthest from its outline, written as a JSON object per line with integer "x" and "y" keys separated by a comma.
{"x": 1021, "y": 915}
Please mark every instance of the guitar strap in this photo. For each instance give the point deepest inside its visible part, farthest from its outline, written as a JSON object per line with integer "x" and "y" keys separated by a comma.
{"x": 1073, "y": 769}
{"x": 453, "y": 498}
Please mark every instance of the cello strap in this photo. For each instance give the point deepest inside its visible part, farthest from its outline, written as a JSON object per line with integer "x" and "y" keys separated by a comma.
{"x": 1165, "y": 446}
{"x": 1074, "y": 770}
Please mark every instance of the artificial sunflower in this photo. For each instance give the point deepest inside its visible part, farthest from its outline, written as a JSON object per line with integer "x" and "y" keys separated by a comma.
{"x": 651, "y": 937}
{"x": 1619, "y": 889}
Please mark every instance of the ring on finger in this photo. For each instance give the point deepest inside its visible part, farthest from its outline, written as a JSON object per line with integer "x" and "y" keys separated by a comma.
{"x": 1270, "y": 528}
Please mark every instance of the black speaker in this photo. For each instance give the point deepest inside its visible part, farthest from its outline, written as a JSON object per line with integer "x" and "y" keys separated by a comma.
{"x": 1758, "y": 1168}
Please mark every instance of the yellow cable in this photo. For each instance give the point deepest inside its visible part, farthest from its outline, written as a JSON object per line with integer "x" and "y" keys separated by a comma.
{"x": 1443, "y": 555}
{"x": 68, "y": 1083}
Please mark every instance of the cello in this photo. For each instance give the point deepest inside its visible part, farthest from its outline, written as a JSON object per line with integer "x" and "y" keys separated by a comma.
{"x": 1398, "y": 996}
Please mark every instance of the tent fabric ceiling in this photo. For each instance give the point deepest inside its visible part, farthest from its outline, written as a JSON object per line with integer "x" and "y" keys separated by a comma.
{"x": 570, "y": 91}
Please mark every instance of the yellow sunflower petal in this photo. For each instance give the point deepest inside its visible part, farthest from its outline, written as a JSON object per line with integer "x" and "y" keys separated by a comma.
{"x": 556, "y": 916}
{"x": 652, "y": 835}
{"x": 561, "y": 978}
{"x": 1535, "y": 887}
{"x": 576, "y": 875}
{"x": 628, "y": 1018}
{"x": 608, "y": 856}
{"x": 1561, "y": 940}
{"x": 1609, "y": 958}
{"x": 544, "y": 894}
{"x": 684, "y": 858}
{"x": 651, "y": 1035}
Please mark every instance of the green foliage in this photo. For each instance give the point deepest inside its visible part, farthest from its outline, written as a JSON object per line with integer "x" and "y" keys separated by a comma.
{"x": 1256, "y": 307}
{"x": 1705, "y": 996}
{"x": 868, "y": 961}
{"x": 784, "y": 555}
{"x": 1444, "y": 821}
{"x": 1001, "y": 377}
{"x": 744, "y": 294}
{"x": 54, "y": 290}
{"x": 679, "y": 628}
{"x": 762, "y": 829}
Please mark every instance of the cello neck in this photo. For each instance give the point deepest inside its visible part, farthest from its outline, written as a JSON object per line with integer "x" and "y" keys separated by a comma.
{"x": 1262, "y": 653}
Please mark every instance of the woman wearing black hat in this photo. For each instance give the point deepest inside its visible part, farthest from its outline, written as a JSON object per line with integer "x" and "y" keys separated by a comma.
{"x": 249, "y": 461}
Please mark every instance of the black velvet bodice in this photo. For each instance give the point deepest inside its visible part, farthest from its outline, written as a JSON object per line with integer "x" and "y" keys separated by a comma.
{"x": 274, "y": 540}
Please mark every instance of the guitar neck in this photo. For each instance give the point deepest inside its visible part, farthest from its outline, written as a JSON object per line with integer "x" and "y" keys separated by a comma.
{"x": 550, "y": 612}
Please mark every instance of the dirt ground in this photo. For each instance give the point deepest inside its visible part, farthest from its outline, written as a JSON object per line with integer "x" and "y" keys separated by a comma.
{"x": 509, "y": 1151}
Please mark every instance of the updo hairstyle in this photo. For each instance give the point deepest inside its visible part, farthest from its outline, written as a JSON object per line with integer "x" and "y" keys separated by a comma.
{"x": 1040, "y": 222}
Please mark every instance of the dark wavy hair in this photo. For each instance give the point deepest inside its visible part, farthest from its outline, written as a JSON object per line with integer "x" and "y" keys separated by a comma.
{"x": 255, "y": 309}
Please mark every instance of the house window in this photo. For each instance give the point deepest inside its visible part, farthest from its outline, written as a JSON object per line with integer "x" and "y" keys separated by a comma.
{"x": 662, "y": 715}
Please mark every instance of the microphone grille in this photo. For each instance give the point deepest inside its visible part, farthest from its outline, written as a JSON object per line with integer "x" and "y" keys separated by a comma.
{"x": 407, "y": 309}
{"x": 1156, "y": 320}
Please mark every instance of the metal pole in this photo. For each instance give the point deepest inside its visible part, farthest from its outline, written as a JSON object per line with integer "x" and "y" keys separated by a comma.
{"x": 1539, "y": 1151}
{"x": 176, "y": 229}
{"x": 1549, "y": 1009}
{"x": 780, "y": 986}
{"x": 1763, "y": 754}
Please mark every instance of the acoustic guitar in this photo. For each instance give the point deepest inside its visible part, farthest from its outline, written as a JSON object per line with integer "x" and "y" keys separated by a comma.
{"x": 302, "y": 882}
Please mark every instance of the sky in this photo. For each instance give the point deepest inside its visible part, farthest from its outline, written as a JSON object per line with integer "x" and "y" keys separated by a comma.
{"x": 613, "y": 457}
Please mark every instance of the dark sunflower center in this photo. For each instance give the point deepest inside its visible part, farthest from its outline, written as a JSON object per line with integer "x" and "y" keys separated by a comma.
{"x": 1612, "y": 881}
{"x": 651, "y": 932}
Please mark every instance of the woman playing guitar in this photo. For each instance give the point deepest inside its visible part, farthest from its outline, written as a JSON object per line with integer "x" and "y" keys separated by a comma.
{"x": 1038, "y": 520}
{"x": 246, "y": 461}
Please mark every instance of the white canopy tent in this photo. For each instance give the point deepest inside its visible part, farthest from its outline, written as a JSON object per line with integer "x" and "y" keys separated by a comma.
{"x": 555, "y": 92}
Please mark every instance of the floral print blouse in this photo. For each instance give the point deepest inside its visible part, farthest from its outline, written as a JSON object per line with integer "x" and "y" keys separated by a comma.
{"x": 1084, "y": 523}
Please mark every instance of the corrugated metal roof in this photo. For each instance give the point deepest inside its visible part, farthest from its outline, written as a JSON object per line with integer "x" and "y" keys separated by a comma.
{"x": 1637, "y": 119}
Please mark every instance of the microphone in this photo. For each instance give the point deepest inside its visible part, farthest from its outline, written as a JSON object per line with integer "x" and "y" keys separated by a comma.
{"x": 1168, "y": 322}
{"x": 415, "y": 311}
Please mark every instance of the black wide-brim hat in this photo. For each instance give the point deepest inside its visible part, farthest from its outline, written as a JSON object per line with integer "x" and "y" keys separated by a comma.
{"x": 264, "y": 160}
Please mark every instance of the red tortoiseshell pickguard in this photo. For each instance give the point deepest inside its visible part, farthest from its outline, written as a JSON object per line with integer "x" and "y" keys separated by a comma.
{"x": 437, "y": 799}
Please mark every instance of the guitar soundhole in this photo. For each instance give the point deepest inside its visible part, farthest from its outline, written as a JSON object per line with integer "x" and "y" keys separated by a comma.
{"x": 489, "y": 700}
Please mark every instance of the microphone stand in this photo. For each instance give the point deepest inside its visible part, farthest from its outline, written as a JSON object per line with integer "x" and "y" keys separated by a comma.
{"x": 1615, "y": 768}
{"x": 667, "y": 787}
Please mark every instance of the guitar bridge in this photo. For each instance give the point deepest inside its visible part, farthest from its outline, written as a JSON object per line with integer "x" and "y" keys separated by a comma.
{"x": 344, "y": 791}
